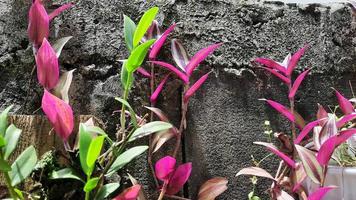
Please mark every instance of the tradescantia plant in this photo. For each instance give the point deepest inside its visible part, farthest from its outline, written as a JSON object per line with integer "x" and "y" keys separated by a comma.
{"x": 301, "y": 156}
{"x": 97, "y": 163}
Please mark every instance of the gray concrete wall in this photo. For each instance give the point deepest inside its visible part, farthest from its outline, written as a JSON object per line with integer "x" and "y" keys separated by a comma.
{"x": 225, "y": 116}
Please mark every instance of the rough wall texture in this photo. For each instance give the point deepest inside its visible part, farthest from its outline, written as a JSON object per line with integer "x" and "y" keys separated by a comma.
{"x": 225, "y": 116}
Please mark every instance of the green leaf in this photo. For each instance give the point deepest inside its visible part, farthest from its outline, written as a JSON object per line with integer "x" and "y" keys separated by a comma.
{"x": 4, "y": 165}
{"x": 150, "y": 128}
{"x": 143, "y": 25}
{"x": 23, "y": 165}
{"x": 311, "y": 165}
{"x": 125, "y": 158}
{"x": 106, "y": 190}
{"x": 66, "y": 173}
{"x": 137, "y": 56}
{"x": 91, "y": 184}
{"x": 59, "y": 44}
{"x": 12, "y": 137}
{"x": 3, "y": 120}
{"x": 129, "y": 31}
{"x": 19, "y": 193}
{"x": 84, "y": 143}
{"x": 94, "y": 150}
{"x": 132, "y": 112}
{"x": 126, "y": 77}
{"x": 2, "y": 141}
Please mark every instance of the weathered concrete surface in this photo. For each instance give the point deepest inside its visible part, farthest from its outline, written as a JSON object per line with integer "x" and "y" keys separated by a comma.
{"x": 225, "y": 116}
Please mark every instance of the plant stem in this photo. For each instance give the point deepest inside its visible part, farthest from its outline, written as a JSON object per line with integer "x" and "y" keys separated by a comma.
{"x": 9, "y": 186}
{"x": 87, "y": 194}
{"x": 163, "y": 191}
{"x": 123, "y": 115}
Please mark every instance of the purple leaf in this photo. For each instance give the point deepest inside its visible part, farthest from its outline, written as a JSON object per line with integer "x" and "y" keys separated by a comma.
{"x": 328, "y": 130}
{"x": 199, "y": 57}
{"x": 320, "y": 193}
{"x": 280, "y": 76}
{"x": 179, "y": 54}
{"x": 345, "y": 105}
{"x": 153, "y": 32}
{"x": 271, "y": 64}
{"x": 158, "y": 90}
{"x": 179, "y": 178}
{"x": 345, "y": 119}
{"x": 170, "y": 67}
{"x": 306, "y": 130}
{"x": 38, "y": 23}
{"x": 321, "y": 114}
{"x": 300, "y": 176}
{"x": 130, "y": 193}
{"x": 328, "y": 147}
{"x": 195, "y": 87}
{"x": 255, "y": 171}
{"x": 165, "y": 167}
{"x": 297, "y": 83}
{"x": 295, "y": 59}
{"x": 142, "y": 71}
{"x": 281, "y": 109}
{"x": 156, "y": 47}
{"x": 310, "y": 163}
{"x": 274, "y": 149}
{"x": 212, "y": 188}
{"x": 159, "y": 113}
{"x": 58, "y": 11}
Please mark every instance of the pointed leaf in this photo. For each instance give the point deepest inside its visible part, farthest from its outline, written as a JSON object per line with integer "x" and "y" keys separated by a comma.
{"x": 329, "y": 129}
{"x": 199, "y": 57}
{"x": 212, "y": 188}
{"x": 130, "y": 193}
{"x": 271, "y": 64}
{"x": 281, "y": 109}
{"x": 179, "y": 54}
{"x": 132, "y": 112}
{"x": 158, "y": 90}
{"x": 190, "y": 92}
{"x": 306, "y": 130}
{"x": 66, "y": 173}
{"x": 321, "y": 114}
{"x": 284, "y": 196}
{"x": 150, "y": 128}
{"x": 22, "y": 167}
{"x": 85, "y": 139}
{"x": 327, "y": 148}
{"x": 320, "y": 193}
{"x": 278, "y": 75}
{"x": 164, "y": 167}
{"x": 144, "y": 23}
{"x": 91, "y": 184}
{"x": 59, "y": 44}
{"x": 310, "y": 163}
{"x": 300, "y": 176}
{"x": 144, "y": 72}
{"x": 126, "y": 158}
{"x": 179, "y": 178}
{"x": 106, "y": 190}
{"x": 159, "y": 113}
{"x": 280, "y": 154}
{"x": 156, "y": 47}
{"x": 170, "y": 67}
{"x": 295, "y": 59}
{"x": 141, "y": 194}
{"x": 137, "y": 56}
{"x": 255, "y": 171}
{"x": 345, "y": 119}
{"x": 160, "y": 138}
{"x": 153, "y": 32}
{"x": 297, "y": 83}
{"x": 94, "y": 150}
{"x": 345, "y": 105}
{"x": 12, "y": 137}
{"x": 62, "y": 88}
{"x": 129, "y": 31}
{"x": 3, "y": 120}
{"x": 58, "y": 11}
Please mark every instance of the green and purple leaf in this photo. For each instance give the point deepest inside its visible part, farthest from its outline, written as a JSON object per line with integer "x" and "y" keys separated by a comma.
{"x": 327, "y": 148}
{"x": 345, "y": 105}
{"x": 191, "y": 91}
{"x": 159, "y": 113}
{"x": 212, "y": 188}
{"x": 156, "y": 47}
{"x": 173, "y": 69}
{"x": 329, "y": 129}
{"x": 297, "y": 83}
{"x": 310, "y": 163}
{"x": 295, "y": 59}
{"x": 320, "y": 193}
{"x": 199, "y": 57}
{"x": 158, "y": 90}
{"x": 179, "y": 54}
{"x": 255, "y": 171}
{"x": 280, "y": 154}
